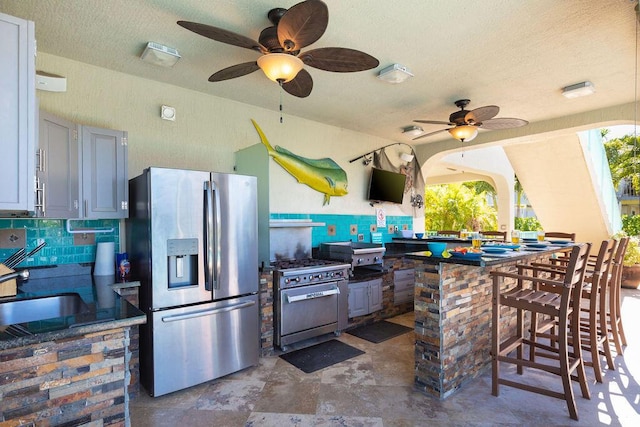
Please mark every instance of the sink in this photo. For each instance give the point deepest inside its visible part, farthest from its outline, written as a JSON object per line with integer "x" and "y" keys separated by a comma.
{"x": 41, "y": 308}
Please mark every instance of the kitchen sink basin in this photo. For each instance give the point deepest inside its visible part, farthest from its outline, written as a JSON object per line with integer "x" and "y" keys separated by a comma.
{"x": 41, "y": 308}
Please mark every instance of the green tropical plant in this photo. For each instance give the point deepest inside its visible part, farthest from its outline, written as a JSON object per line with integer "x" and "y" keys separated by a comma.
{"x": 456, "y": 207}
{"x": 484, "y": 186}
{"x": 527, "y": 224}
{"x": 624, "y": 160}
{"x": 632, "y": 255}
{"x": 631, "y": 224}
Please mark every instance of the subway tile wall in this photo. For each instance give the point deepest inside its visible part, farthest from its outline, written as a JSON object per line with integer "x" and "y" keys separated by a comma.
{"x": 60, "y": 248}
{"x": 343, "y": 226}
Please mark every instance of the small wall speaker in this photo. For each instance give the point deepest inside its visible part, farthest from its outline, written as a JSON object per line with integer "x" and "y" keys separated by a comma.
{"x": 50, "y": 82}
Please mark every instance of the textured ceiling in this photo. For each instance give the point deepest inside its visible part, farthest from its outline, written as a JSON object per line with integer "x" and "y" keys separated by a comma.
{"x": 514, "y": 54}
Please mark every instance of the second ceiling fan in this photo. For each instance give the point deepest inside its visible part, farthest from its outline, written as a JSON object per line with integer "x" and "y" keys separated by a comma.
{"x": 280, "y": 44}
{"x": 465, "y": 124}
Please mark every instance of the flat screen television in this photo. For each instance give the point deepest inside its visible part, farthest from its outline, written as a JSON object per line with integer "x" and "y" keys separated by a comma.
{"x": 386, "y": 186}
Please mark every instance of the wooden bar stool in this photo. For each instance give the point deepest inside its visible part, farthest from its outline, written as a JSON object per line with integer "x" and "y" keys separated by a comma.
{"x": 558, "y": 301}
{"x": 593, "y": 321}
{"x": 593, "y": 311}
{"x": 614, "y": 320}
{"x": 560, "y": 235}
{"x": 492, "y": 234}
{"x": 451, "y": 233}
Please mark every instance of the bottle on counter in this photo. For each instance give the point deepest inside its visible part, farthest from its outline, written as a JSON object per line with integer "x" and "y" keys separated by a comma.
{"x": 124, "y": 267}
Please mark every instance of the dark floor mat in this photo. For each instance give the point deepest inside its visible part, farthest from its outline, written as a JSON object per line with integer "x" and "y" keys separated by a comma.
{"x": 320, "y": 356}
{"x": 379, "y": 331}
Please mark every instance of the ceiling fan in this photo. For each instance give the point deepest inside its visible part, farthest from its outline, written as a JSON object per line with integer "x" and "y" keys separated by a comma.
{"x": 465, "y": 124}
{"x": 280, "y": 44}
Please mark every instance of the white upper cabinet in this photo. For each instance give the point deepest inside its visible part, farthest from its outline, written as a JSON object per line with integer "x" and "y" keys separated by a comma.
{"x": 17, "y": 119}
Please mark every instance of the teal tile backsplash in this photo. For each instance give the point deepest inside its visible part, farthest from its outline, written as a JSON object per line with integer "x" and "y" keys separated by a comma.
{"x": 60, "y": 248}
{"x": 343, "y": 225}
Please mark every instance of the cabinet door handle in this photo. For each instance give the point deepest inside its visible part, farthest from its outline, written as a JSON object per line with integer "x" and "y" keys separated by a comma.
{"x": 41, "y": 160}
{"x": 44, "y": 200}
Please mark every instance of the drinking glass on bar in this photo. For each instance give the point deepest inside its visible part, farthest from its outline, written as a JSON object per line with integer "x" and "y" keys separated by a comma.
{"x": 476, "y": 240}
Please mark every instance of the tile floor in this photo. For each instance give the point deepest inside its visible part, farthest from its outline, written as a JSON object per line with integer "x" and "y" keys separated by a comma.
{"x": 376, "y": 389}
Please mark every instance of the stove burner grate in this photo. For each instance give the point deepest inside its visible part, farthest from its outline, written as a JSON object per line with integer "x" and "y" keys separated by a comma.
{"x": 287, "y": 264}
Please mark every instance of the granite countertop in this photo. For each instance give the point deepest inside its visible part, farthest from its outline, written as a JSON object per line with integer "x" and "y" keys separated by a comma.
{"x": 106, "y": 309}
{"x": 488, "y": 259}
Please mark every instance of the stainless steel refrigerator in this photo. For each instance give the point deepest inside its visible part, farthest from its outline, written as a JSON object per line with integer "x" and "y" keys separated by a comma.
{"x": 192, "y": 243}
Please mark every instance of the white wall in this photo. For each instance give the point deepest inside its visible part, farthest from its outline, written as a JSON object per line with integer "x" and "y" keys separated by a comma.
{"x": 207, "y": 132}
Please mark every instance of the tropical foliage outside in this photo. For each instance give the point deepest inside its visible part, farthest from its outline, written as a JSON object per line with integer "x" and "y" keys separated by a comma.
{"x": 457, "y": 207}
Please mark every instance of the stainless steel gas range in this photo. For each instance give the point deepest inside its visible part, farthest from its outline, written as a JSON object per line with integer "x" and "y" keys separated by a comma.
{"x": 310, "y": 299}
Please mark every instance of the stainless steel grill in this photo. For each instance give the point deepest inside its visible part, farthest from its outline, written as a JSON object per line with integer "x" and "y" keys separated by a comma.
{"x": 310, "y": 299}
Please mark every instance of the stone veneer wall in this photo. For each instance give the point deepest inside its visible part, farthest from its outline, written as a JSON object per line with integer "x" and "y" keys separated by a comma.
{"x": 130, "y": 293}
{"x": 266, "y": 313}
{"x": 453, "y": 305}
{"x": 68, "y": 382}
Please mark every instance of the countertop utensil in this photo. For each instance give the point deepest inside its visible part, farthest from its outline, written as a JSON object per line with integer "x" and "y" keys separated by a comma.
{"x": 13, "y": 257}
{"x": 17, "y": 260}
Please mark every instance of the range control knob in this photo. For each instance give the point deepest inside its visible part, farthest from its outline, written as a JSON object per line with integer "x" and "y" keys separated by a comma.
{"x": 360, "y": 260}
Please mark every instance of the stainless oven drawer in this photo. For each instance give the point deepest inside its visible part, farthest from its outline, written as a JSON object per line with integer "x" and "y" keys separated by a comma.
{"x": 308, "y": 307}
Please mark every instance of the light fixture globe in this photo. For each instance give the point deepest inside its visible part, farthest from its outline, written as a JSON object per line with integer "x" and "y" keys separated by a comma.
{"x": 464, "y": 133}
{"x": 280, "y": 67}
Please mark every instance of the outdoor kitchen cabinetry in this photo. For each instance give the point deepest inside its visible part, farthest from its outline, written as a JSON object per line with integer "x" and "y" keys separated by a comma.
{"x": 57, "y": 188}
{"x": 365, "y": 297}
{"x": 17, "y": 120}
{"x": 403, "y": 285}
{"x": 81, "y": 171}
{"x": 105, "y": 187}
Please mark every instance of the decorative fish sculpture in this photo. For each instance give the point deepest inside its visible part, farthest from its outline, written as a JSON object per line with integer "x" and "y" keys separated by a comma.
{"x": 323, "y": 175}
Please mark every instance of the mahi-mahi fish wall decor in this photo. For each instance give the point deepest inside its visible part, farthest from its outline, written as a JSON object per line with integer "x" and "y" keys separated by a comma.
{"x": 323, "y": 175}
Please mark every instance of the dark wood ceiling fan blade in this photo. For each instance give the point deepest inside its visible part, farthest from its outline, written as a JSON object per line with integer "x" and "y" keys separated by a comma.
{"x": 430, "y": 133}
{"x": 303, "y": 24}
{"x": 224, "y": 36}
{"x": 234, "y": 71}
{"x": 435, "y": 122}
{"x": 502, "y": 123}
{"x": 300, "y": 86}
{"x": 339, "y": 59}
{"x": 481, "y": 114}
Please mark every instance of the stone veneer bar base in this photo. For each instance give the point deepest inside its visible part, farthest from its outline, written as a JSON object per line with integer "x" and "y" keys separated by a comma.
{"x": 82, "y": 380}
{"x": 453, "y": 323}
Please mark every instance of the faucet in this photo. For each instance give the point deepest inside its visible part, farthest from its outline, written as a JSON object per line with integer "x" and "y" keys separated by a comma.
{"x": 24, "y": 274}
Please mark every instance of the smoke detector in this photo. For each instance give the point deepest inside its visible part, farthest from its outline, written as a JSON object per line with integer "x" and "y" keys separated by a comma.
{"x": 158, "y": 54}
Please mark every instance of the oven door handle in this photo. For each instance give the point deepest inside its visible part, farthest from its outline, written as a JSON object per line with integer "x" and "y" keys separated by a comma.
{"x": 313, "y": 295}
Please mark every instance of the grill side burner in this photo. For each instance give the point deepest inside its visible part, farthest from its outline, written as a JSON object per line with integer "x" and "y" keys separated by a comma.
{"x": 310, "y": 299}
{"x": 356, "y": 254}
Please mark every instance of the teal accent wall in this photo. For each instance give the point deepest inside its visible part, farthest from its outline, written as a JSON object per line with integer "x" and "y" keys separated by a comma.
{"x": 60, "y": 248}
{"x": 343, "y": 225}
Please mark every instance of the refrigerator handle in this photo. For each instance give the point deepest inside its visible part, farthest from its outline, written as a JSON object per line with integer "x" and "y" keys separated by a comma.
{"x": 217, "y": 242}
{"x": 208, "y": 240}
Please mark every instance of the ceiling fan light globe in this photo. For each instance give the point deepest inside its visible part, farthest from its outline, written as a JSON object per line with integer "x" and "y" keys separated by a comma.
{"x": 464, "y": 133}
{"x": 280, "y": 67}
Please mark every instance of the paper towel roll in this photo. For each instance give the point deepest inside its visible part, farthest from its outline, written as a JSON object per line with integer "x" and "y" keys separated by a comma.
{"x": 105, "y": 259}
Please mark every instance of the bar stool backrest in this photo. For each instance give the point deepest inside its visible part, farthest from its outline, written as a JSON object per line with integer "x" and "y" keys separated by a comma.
{"x": 560, "y": 235}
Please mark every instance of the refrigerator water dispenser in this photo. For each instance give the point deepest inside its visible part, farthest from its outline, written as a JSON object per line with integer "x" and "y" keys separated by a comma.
{"x": 182, "y": 256}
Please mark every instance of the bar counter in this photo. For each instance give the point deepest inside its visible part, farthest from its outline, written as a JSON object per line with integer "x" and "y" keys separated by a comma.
{"x": 452, "y": 305}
